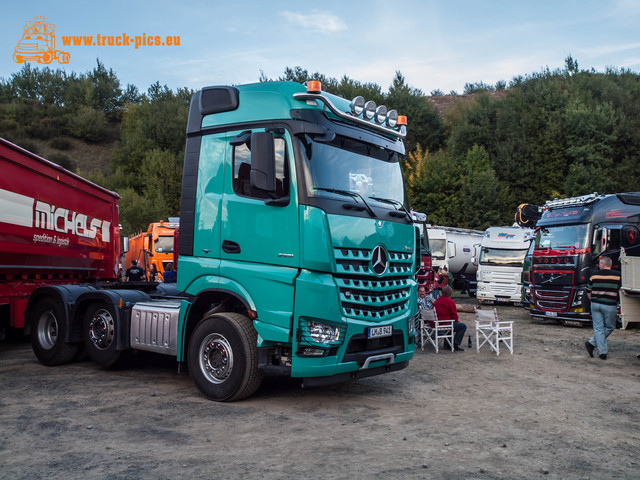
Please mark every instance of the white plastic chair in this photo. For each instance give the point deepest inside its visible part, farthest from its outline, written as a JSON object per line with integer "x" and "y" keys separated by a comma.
{"x": 443, "y": 329}
{"x": 493, "y": 331}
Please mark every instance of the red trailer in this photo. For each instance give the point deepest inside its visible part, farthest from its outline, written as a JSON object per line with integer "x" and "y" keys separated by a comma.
{"x": 55, "y": 227}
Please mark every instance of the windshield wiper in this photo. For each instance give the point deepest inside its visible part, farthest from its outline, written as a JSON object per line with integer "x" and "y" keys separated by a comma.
{"x": 393, "y": 202}
{"x": 350, "y": 194}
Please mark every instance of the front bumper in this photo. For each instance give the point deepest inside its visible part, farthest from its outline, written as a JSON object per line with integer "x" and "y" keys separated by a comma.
{"x": 567, "y": 318}
{"x": 345, "y": 377}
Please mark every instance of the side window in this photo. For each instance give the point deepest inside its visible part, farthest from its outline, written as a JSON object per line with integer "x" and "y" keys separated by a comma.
{"x": 242, "y": 169}
{"x": 596, "y": 247}
{"x": 613, "y": 242}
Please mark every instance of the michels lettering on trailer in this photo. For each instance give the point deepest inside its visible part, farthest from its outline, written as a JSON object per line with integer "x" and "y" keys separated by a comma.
{"x": 28, "y": 212}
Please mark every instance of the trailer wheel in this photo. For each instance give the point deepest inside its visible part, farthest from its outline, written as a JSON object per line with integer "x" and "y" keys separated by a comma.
{"x": 63, "y": 57}
{"x": 223, "y": 358}
{"x": 48, "y": 332}
{"x": 100, "y": 332}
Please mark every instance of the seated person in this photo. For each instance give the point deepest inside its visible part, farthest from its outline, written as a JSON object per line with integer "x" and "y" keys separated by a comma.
{"x": 446, "y": 309}
{"x": 425, "y": 301}
{"x": 169, "y": 275}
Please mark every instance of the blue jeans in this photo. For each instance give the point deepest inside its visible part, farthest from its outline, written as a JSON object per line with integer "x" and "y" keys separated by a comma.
{"x": 458, "y": 329}
{"x": 604, "y": 322}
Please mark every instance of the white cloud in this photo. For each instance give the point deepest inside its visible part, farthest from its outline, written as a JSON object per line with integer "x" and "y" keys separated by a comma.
{"x": 321, "y": 22}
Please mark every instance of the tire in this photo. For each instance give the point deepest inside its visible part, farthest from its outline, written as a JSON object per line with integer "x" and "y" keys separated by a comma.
{"x": 223, "y": 358}
{"x": 48, "y": 330}
{"x": 47, "y": 58}
{"x": 100, "y": 332}
{"x": 63, "y": 57}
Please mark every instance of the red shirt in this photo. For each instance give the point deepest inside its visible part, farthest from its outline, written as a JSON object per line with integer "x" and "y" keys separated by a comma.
{"x": 445, "y": 309}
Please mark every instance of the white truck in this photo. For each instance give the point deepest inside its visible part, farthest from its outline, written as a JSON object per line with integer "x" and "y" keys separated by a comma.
{"x": 502, "y": 253}
{"x": 457, "y": 249}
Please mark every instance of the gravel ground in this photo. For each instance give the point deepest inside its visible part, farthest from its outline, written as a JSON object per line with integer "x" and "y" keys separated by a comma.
{"x": 547, "y": 411}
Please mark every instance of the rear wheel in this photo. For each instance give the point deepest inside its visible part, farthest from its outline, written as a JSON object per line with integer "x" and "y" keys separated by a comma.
{"x": 223, "y": 358}
{"x": 100, "y": 334}
{"x": 48, "y": 332}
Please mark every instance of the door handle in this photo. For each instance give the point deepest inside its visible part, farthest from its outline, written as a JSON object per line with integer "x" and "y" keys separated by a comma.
{"x": 230, "y": 247}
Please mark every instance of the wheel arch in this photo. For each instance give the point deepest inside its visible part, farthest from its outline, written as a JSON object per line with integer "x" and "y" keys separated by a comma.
{"x": 208, "y": 300}
{"x": 120, "y": 300}
{"x": 65, "y": 296}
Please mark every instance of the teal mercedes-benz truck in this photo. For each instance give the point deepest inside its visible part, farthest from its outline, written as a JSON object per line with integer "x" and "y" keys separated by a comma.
{"x": 296, "y": 253}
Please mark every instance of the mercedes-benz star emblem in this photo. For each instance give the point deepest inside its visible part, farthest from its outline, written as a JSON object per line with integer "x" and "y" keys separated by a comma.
{"x": 379, "y": 260}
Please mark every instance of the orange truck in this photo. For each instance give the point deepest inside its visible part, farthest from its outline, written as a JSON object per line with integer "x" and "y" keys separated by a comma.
{"x": 153, "y": 247}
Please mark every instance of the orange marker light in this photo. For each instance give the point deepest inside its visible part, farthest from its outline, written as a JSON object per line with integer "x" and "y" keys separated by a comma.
{"x": 314, "y": 86}
{"x": 402, "y": 119}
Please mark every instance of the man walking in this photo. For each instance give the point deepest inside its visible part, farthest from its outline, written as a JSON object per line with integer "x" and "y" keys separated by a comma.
{"x": 602, "y": 290}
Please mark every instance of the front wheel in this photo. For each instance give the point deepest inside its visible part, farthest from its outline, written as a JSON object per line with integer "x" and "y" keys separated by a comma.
{"x": 47, "y": 334}
{"x": 100, "y": 333}
{"x": 223, "y": 358}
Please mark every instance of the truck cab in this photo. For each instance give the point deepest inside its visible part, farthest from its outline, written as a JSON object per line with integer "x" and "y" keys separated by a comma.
{"x": 570, "y": 238}
{"x": 502, "y": 254}
{"x": 297, "y": 255}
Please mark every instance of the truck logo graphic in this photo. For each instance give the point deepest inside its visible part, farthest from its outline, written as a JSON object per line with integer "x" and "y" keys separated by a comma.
{"x": 38, "y": 43}
{"x": 506, "y": 235}
{"x": 379, "y": 260}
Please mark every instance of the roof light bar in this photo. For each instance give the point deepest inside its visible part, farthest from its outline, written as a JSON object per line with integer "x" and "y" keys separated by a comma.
{"x": 364, "y": 113}
{"x": 572, "y": 201}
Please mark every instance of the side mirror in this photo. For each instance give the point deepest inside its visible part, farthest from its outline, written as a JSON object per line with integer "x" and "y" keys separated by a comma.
{"x": 263, "y": 162}
{"x": 125, "y": 244}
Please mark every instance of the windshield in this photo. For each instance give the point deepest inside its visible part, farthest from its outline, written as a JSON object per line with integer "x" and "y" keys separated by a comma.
{"x": 349, "y": 165}
{"x": 502, "y": 257}
{"x": 163, "y": 244}
{"x": 438, "y": 247}
{"x": 562, "y": 237}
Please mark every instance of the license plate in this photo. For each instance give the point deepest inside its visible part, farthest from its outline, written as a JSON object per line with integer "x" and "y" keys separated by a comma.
{"x": 551, "y": 314}
{"x": 375, "y": 332}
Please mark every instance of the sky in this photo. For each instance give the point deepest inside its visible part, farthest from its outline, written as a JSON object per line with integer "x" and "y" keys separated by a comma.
{"x": 436, "y": 45}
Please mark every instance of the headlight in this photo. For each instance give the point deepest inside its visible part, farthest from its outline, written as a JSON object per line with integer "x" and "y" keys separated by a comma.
{"x": 392, "y": 118}
{"x": 357, "y": 106}
{"x": 381, "y": 114}
{"x": 578, "y": 299}
{"x": 369, "y": 109}
{"x": 323, "y": 333}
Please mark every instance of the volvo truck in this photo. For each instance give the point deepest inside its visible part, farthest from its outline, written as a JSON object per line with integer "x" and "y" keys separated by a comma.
{"x": 570, "y": 238}
{"x": 297, "y": 255}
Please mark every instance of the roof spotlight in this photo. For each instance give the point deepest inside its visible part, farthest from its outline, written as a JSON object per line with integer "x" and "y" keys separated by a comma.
{"x": 392, "y": 118}
{"x": 369, "y": 109}
{"x": 381, "y": 114}
{"x": 357, "y": 106}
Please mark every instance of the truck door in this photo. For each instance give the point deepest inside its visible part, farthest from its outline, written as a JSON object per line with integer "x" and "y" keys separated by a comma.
{"x": 259, "y": 227}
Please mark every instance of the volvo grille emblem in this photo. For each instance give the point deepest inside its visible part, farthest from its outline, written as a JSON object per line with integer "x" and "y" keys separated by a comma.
{"x": 379, "y": 260}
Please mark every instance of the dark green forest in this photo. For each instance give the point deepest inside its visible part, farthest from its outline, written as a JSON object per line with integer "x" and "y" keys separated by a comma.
{"x": 472, "y": 157}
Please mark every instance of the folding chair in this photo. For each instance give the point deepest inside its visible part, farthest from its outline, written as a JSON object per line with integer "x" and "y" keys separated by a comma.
{"x": 493, "y": 330}
{"x": 441, "y": 329}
